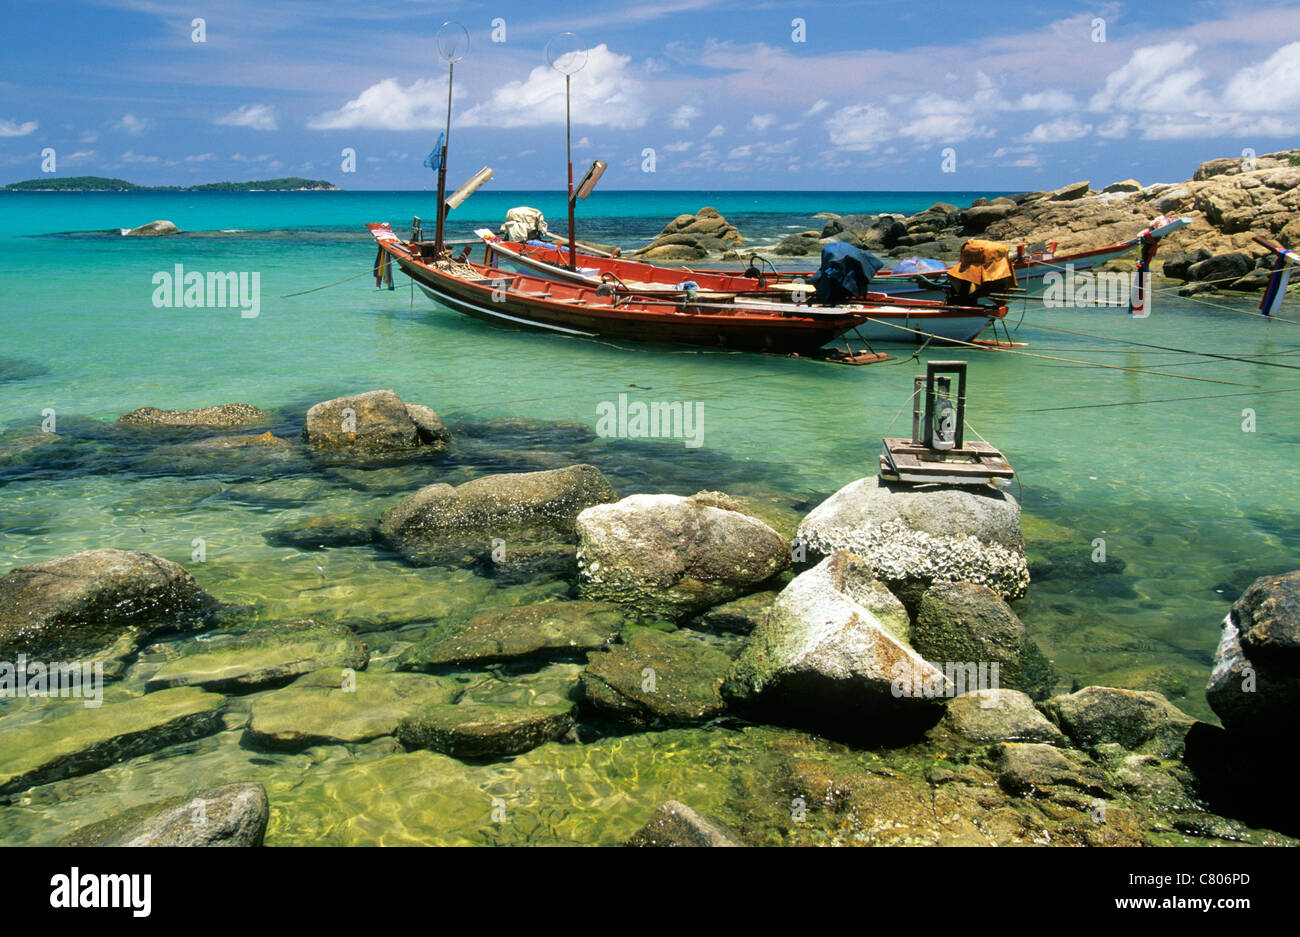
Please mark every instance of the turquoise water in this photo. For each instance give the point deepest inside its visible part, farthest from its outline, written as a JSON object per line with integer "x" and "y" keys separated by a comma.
{"x": 1188, "y": 504}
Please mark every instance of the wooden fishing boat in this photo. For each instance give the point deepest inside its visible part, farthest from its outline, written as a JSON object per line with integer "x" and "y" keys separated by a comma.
{"x": 1031, "y": 268}
{"x": 765, "y": 321}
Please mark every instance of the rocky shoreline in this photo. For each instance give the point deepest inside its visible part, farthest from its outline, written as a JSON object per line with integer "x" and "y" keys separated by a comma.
{"x": 1228, "y": 200}
{"x": 855, "y": 670}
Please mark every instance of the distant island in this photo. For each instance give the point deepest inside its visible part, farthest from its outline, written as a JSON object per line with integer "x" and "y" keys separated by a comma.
{"x": 102, "y": 184}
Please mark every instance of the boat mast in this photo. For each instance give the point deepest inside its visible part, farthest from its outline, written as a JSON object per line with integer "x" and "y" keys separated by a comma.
{"x": 453, "y": 43}
{"x": 567, "y": 56}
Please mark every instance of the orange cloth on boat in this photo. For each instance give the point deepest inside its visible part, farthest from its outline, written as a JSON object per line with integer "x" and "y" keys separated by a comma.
{"x": 983, "y": 261}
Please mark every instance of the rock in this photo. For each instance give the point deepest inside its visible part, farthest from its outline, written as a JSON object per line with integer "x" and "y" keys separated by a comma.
{"x": 322, "y": 532}
{"x": 976, "y": 220}
{"x": 232, "y": 815}
{"x": 675, "y": 824}
{"x": 550, "y": 630}
{"x": 78, "y": 605}
{"x": 87, "y": 739}
{"x": 153, "y": 229}
{"x": 798, "y": 245}
{"x": 1067, "y": 193}
{"x": 1196, "y": 289}
{"x": 655, "y": 679}
{"x": 1252, "y": 282}
{"x": 485, "y": 730}
{"x": 1222, "y": 268}
{"x": 222, "y": 416}
{"x": 867, "y": 232}
{"x": 913, "y": 537}
{"x": 688, "y": 237}
{"x": 741, "y": 615}
{"x": 833, "y": 655}
{"x": 1035, "y": 769}
{"x": 998, "y": 716}
{"x": 262, "y": 658}
{"x": 1128, "y": 185}
{"x": 967, "y": 626}
{"x": 1136, "y": 719}
{"x": 1176, "y": 267}
{"x": 671, "y": 557}
{"x": 332, "y": 707}
{"x": 376, "y": 421}
{"x": 440, "y": 522}
{"x": 1172, "y": 200}
{"x": 1254, "y": 686}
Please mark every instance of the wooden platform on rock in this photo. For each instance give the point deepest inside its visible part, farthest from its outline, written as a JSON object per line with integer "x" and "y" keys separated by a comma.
{"x": 975, "y": 463}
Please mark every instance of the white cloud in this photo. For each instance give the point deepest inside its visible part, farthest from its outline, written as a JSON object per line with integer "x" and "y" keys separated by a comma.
{"x": 818, "y": 106}
{"x": 1061, "y": 130}
{"x": 681, "y": 146}
{"x": 717, "y": 131}
{"x": 1115, "y": 128}
{"x": 1151, "y": 80}
{"x": 760, "y": 122}
{"x": 604, "y": 94}
{"x": 859, "y": 127}
{"x": 253, "y": 116}
{"x": 942, "y": 128}
{"x": 387, "y": 105}
{"x": 741, "y": 152}
{"x": 1274, "y": 84}
{"x": 132, "y": 157}
{"x": 10, "y": 129}
{"x": 1050, "y": 100}
{"x": 133, "y": 125}
{"x": 682, "y": 117}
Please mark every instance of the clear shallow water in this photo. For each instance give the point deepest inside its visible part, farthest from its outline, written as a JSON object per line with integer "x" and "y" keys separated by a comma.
{"x": 1194, "y": 507}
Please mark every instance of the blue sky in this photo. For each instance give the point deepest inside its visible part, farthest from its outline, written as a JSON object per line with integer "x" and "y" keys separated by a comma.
{"x": 727, "y": 95}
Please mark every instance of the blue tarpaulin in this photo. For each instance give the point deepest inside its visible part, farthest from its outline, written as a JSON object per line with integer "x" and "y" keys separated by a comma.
{"x": 845, "y": 272}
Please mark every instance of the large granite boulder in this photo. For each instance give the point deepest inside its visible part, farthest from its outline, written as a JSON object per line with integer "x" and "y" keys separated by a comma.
{"x": 441, "y": 523}
{"x": 998, "y": 716}
{"x": 221, "y": 416}
{"x": 671, "y": 557}
{"x": 655, "y": 679}
{"x": 549, "y": 630}
{"x": 376, "y": 421}
{"x": 963, "y": 625}
{"x": 1254, "y": 687}
{"x": 833, "y": 654}
{"x": 914, "y": 536}
{"x": 1138, "y": 720}
{"x": 689, "y": 237}
{"x": 159, "y": 228}
{"x": 231, "y": 815}
{"x": 86, "y": 603}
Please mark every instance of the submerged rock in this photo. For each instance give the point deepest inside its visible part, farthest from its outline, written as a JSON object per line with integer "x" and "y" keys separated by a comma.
{"x": 669, "y": 556}
{"x": 1255, "y": 683}
{"x": 912, "y": 537}
{"x": 675, "y": 824}
{"x": 221, "y": 416}
{"x": 323, "y": 532}
{"x": 376, "y": 421}
{"x": 1136, "y": 719}
{"x": 332, "y": 707}
{"x": 231, "y": 815}
{"x": 440, "y": 523}
{"x": 834, "y": 655}
{"x": 262, "y": 657}
{"x": 485, "y": 730}
{"x": 552, "y": 629}
{"x": 963, "y": 624}
{"x": 740, "y": 616}
{"x": 87, "y": 739}
{"x": 655, "y": 679}
{"x": 85, "y": 603}
{"x": 1037, "y": 770}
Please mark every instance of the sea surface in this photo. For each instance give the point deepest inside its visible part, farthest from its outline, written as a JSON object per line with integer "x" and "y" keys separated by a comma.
{"x": 1188, "y": 479}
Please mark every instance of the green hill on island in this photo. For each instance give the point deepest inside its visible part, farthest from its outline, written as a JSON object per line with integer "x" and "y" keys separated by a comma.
{"x": 102, "y": 184}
